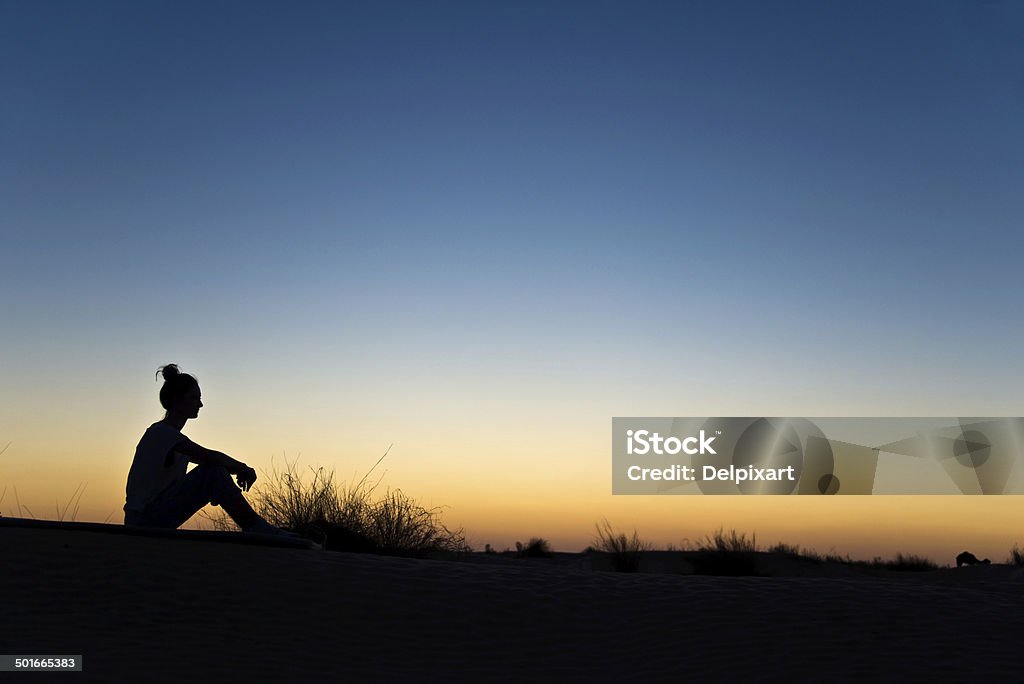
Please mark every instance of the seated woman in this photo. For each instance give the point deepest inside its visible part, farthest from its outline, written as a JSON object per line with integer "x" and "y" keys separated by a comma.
{"x": 160, "y": 493}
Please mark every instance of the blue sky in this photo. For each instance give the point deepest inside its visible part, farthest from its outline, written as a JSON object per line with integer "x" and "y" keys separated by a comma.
{"x": 839, "y": 155}
{"x": 547, "y": 201}
{"x": 526, "y": 167}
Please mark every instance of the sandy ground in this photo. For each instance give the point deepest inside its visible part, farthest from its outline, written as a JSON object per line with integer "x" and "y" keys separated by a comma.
{"x": 152, "y": 609}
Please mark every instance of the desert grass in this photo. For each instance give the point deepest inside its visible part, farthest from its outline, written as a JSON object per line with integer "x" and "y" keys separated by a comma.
{"x": 398, "y": 524}
{"x": 75, "y": 499}
{"x": 786, "y": 549}
{"x": 725, "y": 553}
{"x": 905, "y": 563}
{"x": 537, "y": 547}
{"x": 62, "y": 513}
{"x": 1016, "y": 556}
{"x": 734, "y": 553}
{"x": 901, "y": 563}
{"x": 349, "y": 517}
{"x": 4, "y": 493}
{"x": 728, "y": 542}
{"x": 795, "y": 552}
{"x": 17, "y": 501}
{"x": 624, "y": 549}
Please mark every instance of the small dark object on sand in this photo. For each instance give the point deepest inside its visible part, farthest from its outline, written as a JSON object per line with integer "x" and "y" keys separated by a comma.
{"x": 968, "y": 558}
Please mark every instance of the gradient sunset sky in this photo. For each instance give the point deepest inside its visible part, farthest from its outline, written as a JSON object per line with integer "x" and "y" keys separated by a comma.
{"x": 480, "y": 230}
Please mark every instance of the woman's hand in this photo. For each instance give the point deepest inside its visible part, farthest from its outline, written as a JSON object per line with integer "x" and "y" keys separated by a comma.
{"x": 245, "y": 477}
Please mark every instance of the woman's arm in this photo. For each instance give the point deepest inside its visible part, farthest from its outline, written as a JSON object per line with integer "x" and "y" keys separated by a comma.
{"x": 199, "y": 454}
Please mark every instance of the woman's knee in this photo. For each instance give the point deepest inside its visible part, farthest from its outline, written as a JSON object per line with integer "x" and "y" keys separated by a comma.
{"x": 219, "y": 482}
{"x": 213, "y": 472}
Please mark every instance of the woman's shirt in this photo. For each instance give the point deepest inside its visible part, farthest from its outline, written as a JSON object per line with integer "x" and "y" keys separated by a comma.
{"x": 156, "y": 465}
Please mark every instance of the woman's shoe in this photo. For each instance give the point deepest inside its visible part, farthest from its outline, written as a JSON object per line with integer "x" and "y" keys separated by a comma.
{"x": 263, "y": 527}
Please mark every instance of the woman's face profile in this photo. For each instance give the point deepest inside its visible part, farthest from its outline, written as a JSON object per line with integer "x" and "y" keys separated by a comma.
{"x": 190, "y": 403}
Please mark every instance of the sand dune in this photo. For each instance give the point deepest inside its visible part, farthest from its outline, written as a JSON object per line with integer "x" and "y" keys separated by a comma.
{"x": 159, "y": 609}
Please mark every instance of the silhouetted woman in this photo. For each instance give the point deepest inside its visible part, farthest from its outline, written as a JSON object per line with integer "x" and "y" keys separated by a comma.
{"x": 160, "y": 493}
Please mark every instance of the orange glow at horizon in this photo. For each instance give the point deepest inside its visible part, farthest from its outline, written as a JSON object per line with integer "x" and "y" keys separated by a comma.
{"x": 501, "y": 505}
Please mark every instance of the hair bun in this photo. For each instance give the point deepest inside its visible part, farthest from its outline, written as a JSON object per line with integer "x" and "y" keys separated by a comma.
{"x": 169, "y": 371}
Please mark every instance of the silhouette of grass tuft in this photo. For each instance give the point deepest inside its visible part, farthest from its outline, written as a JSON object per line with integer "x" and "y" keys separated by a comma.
{"x": 731, "y": 542}
{"x": 537, "y": 547}
{"x": 61, "y": 512}
{"x": 348, "y": 517}
{"x": 796, "y": 553}
{"x": 17, "y": 500}
{"x": 725, "y": 553}
{"x": 905, "y": 563}
{"x": 624, "y": 549}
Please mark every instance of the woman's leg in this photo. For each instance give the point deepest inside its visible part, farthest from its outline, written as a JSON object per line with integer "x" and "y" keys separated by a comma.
{"x": 228, "y": 496}
{"x": 204, "y": 484}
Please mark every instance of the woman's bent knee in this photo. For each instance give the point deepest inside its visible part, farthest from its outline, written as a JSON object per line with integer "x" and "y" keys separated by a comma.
{"x": 219, "y": 484}
{"x": 211, "y": 470}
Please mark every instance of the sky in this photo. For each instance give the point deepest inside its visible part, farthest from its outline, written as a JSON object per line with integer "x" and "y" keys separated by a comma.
{"x": 479, "y": 231}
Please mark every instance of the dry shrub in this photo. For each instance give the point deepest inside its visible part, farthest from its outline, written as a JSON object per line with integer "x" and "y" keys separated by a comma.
{"x": 348, "y": 517}
{"x": 624, "y": 549}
